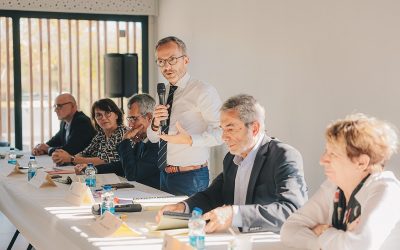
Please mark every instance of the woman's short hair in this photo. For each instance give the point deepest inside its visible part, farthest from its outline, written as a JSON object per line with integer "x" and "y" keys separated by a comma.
{"x": 106, "y": 104}
{"x": 364, "y": 135}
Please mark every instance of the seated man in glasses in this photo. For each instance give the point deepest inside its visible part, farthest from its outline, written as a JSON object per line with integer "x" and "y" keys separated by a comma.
{"x": 138, "y": 156}
{"x": 76, "y": 130}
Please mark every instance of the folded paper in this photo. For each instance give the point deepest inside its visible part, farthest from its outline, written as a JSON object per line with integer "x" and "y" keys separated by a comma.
{"x": 42, "y": 179}
{"x": 79, "y": 194}
{"x": 110, "y": 225}
{"x": 172, "y": 243}
{"x": 10, "y": 170}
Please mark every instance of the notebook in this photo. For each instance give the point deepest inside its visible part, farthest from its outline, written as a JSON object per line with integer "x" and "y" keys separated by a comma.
{"x": 149, "y": 201}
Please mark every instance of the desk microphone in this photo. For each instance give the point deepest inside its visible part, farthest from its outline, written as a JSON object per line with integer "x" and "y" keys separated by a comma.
{"x": 127, "y": 208}
{"x": 161, "y": 98}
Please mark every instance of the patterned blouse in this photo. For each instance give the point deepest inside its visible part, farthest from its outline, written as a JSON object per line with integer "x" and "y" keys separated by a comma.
{"x": 103, "y": 148}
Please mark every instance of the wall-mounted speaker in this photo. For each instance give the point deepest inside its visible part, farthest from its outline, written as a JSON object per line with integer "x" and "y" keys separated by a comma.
{"x": 121, "y": 75}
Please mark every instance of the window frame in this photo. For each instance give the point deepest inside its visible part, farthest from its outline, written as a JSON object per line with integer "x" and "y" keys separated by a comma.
{"x": 16, "y": 15}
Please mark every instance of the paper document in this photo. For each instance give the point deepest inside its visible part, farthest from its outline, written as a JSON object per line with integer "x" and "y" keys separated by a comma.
{"x": 132, "y": 193}
{"x": 157, "y": 203}
{"x": 168, "y": 223}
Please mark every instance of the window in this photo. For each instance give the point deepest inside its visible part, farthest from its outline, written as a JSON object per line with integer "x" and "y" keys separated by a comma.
{"x": 63, "y": 53}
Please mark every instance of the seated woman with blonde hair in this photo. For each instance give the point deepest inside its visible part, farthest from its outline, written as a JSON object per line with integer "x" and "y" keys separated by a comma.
{"x": 359, "y": 204}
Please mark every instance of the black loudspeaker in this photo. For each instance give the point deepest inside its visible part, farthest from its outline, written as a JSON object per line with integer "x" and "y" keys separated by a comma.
{"x": 121, "y": 75}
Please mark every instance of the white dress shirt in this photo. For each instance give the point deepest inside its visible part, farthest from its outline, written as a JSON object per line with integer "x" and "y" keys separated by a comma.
{"x": 380, "y": 206}
{"x": 196, "y": 107}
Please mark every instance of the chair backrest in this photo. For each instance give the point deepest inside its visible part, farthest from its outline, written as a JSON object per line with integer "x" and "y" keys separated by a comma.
{"x": 4, "y": 144}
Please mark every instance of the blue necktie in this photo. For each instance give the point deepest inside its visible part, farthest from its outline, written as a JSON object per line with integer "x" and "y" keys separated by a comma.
{"x": 162, "y": 152}
{"x": 141, "y": 149}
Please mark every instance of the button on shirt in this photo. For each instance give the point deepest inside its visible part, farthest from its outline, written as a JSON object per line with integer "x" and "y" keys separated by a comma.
{"x": 196, "y": 107}
{"x": 245, "y": 166}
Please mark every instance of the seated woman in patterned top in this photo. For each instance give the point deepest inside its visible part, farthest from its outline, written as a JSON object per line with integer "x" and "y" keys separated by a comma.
{"x": 103, "y": 147}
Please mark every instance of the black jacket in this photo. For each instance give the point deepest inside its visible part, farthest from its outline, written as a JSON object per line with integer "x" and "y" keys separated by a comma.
{"x": 80, "y": 135}
{"x": 137, "y": 164}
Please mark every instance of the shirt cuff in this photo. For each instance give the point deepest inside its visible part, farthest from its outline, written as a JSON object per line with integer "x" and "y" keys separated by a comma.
{"x": 153, "y": 136}
{"x": 237, "y": 216}
{"x": 187, "y": 209}
{"x": 50, "y": 150}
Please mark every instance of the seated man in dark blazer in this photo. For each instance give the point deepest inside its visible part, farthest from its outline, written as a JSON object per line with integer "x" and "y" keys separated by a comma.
{"x": 262, "y": 181}
{"x": 138, "y": 155}
{"x": 76, "y": 129}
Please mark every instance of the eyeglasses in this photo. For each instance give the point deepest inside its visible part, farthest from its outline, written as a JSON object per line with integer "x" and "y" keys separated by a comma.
{"x": 133, "y": 118}
{"x": 99, "y": 116}
{"x": 60, "y": 105}
{"x": 171, "y": 61}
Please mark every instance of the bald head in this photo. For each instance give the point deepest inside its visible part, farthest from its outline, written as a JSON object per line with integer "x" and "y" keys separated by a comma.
{"x": 66, "y": 97}
{"x": 65, "y": 107}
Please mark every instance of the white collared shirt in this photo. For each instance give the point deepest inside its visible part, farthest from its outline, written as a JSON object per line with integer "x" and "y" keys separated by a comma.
{"x": 67, "y": 128}
{"x": 196, "y": 107}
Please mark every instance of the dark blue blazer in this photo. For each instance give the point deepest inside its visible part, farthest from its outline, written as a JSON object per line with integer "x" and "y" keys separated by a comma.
{"x": 137, "y": 163}
{"x": 276, "y": 187}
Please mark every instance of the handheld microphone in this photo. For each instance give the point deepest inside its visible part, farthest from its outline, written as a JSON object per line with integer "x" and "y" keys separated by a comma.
{"x": 161, "y": 98}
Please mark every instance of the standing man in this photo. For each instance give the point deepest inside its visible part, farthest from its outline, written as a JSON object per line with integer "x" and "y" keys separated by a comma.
{"x": 192, "y": 123}
{"x": 262, "y": 181}
{"x": 76, "y": 130}
{"x": 138, "y": 155}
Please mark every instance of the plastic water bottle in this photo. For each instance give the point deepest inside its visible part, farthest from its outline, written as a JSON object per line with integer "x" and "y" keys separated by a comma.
{"x": 32, "y": 166}
{"x": 12, "y": 156}
{"x": 107, "y": 200}
{"x": 90, "y": 176}
{"x": 196, "y": 229}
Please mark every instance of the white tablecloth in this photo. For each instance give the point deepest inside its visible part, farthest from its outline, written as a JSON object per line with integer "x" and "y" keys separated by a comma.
{"x": 47, "y": 221}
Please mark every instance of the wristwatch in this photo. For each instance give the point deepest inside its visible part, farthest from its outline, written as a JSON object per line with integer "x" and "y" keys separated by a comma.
{"x": 72, "y": 159}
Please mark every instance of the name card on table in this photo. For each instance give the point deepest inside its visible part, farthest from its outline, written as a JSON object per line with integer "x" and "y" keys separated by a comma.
{"x": 79, "y": 194}
{"x": 172, "y": 243}
{"x": 110, "y": 225}
{"x": 10, "y": 170}
{"x": 42, "y": 179}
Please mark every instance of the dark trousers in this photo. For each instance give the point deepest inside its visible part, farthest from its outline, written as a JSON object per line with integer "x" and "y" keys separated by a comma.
{"x": 185, "y": 183}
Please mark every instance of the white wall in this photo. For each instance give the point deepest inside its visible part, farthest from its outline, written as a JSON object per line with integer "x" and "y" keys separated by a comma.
{"x": 308, "y": 62}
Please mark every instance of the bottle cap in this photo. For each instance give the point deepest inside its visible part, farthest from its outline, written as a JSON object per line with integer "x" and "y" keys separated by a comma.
{"x": 107, "y": 187}
{"x": 11, "y": 148}
{"x": 31, "y": 157}
{"x": 197, "y": 210}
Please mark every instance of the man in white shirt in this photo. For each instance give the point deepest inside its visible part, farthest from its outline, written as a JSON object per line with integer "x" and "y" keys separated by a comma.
{"x": 262, "y": 181}
{"x": 191, "y": 118}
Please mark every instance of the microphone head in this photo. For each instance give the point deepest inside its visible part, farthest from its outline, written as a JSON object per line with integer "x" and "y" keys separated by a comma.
{"x": 160, "y": 88}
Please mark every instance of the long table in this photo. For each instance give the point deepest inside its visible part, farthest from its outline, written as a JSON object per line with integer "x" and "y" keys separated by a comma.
{"x": 47, "y": 221}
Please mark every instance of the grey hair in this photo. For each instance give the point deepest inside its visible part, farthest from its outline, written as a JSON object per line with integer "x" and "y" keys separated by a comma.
{"x": 248, "y": 108}
{"x": 174, "y": 39}
{"x": 145, "y": 101}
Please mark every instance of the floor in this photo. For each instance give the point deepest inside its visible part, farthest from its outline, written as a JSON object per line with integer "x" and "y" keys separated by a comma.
{"x": 7, "y": 231}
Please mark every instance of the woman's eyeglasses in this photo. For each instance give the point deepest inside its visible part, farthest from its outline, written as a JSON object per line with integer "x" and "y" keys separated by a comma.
{"x": 99, "y": 115}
